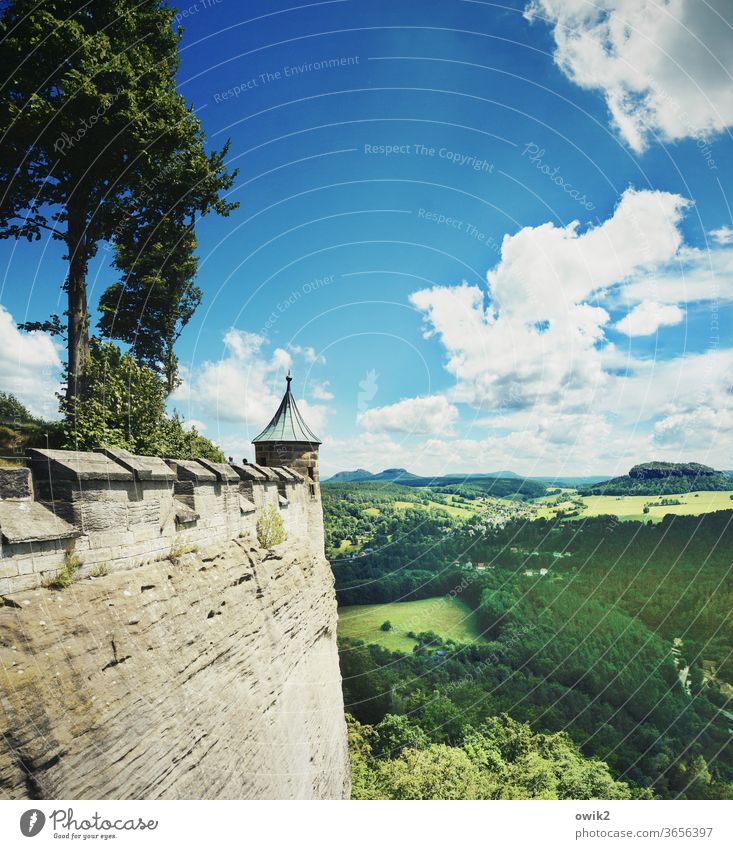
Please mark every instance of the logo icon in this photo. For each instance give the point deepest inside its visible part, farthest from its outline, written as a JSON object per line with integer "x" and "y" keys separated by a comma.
{"x": 32, "y": 822}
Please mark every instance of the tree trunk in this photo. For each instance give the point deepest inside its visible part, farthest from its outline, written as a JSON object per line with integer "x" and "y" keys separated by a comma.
{"x": 78, "y": 314}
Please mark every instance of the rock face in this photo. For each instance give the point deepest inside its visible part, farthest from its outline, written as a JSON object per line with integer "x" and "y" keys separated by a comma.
{"x": 211, "y": 675}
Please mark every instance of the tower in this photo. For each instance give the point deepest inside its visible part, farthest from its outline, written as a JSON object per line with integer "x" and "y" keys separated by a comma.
{"x": 288, "y": 441}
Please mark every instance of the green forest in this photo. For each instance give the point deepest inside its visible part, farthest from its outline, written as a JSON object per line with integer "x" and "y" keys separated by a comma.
{"x": 605, "y": 647}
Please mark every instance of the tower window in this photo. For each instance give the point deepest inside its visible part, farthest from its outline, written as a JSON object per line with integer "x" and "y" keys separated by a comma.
{"x": 312, "y": 489}
{"x": 310, "y": 473}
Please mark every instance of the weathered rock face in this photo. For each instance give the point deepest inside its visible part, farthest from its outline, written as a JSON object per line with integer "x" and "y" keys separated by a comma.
{"x": 213, "y": 676}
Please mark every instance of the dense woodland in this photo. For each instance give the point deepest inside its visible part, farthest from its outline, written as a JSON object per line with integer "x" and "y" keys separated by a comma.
{"x": 662, "y": 479}
{"x": 583, "y": 650}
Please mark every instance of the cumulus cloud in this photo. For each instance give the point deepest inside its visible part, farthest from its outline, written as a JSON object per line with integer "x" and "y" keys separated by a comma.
{"x": 692, "y": 276}
{"x": 539, "y": 336}
{"x": 647, "y": 317}
{"x": 534, "y": 350}
{"x": 320, "y": 391}
{"x": 723, "y": 235}
{"x": 308, "y": 353}
{"x": 244, "y": 386}
{"x": 29, "y": 367}
{"x": 663, "y": 68}
{"x": 426, "y": 415}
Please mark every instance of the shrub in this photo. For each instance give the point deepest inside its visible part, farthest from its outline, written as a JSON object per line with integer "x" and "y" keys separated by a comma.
{"x": 123, "y": 405}
{"x": 386, "y": 626}
{"x": 67, "y": 571}
{"x": 179, "y": 548}
{"x": 270, "y": 528}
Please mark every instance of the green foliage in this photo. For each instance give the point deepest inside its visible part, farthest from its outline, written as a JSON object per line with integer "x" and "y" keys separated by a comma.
{"x": 662, "y": 479}
{"x": 91, "y": 119}
{"x": 124, "y": 406}
{"x": 386, "y": 626}
{"x": 12, "y": 410}
{"x": 580, "y": 619}
{"x": 502, "y": 759}
{"x": 179, "y": 548}
{"x": 155, "y": 254}
{"x": 270, "y": 528}
{"x": 67, "y": 572}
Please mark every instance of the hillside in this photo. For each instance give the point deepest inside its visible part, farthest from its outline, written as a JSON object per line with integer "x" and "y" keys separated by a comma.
{"x": 498, "y": 484}
{"x": 350, "y": 477}
{"x": 658, "y": 478}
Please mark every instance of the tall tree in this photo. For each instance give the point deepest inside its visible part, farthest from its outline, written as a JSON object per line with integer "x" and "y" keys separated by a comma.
{"x": 90, "y": 119}
{"x": 157, "y": 295}
{"x": 155, "y": 252}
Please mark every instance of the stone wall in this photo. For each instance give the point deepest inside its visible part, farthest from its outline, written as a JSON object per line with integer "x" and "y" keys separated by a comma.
{"x": 195, "y": 665}
{"x": 114, "y": 510}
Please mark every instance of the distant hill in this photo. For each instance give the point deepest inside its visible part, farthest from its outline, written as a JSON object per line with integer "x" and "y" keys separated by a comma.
{"x": 570, "y": 481}
{"x": 510, "y": 486}
{"x": 658, "y": 478}
{"x": 362, "y": 475}
{"x": 350, "y": 477}
{"x": 359, "y": 475}
{"x": 483, "y": 485}
{"x": 396, "y": 475}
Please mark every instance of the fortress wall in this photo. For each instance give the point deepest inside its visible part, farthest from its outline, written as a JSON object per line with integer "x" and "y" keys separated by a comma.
{"x": 174, "y": 674}
{"x": 115, "y": 511}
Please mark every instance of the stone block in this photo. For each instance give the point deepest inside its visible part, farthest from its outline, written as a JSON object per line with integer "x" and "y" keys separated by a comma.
{"x": 15, "y": 482}
{"x": 8, "y": 570}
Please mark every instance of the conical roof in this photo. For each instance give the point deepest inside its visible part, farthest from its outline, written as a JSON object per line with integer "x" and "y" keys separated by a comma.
{"x": 287, "y": 424}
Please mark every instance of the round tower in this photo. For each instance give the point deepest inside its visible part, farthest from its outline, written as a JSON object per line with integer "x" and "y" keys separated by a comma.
{"x": 288, "y": 441}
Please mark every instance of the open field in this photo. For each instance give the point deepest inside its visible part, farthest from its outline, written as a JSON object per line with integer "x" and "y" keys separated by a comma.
{"x": 631, "y": 507}
{"x": 457, "y": 511}
{"x": 449, "y": 618}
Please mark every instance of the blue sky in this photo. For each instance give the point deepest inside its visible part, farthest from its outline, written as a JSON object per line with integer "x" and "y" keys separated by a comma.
{"x": 394, "y": 154}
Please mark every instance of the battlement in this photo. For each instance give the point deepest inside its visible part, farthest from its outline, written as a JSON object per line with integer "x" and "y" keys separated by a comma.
{"x": 117, "y": 510}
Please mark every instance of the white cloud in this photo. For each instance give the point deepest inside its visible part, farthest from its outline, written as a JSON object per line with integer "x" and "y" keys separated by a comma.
{"x": 245, "y": 386}
{"x": 540, "y": 337}
{"x": 692, "y": 276}
{"x": 308, "y": 353}
{"x": 320, "y": 391}
{"x": 723, "y": 235}
{"x": 29, "y": 367}
{"x": 647, "y": 317}
{"x": 534, "y": 351}
{"x": 427, "y": 415}
{"x": 663, "y": 67}
{"x": 199, "y": 425}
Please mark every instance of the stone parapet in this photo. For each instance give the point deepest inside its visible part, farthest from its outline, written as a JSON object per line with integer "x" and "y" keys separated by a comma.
{"x": 113, "y": 510}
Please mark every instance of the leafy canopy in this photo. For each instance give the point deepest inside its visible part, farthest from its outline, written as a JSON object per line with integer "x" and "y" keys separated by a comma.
{"x": 124, "y": 406}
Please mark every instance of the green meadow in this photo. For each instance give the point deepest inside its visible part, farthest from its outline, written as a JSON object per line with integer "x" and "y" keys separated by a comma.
{"x": 450, "y": 618}
{"x": 631, "y": 507}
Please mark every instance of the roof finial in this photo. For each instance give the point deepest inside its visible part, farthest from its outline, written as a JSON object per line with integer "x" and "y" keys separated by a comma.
{"x": 289, "y": 379}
